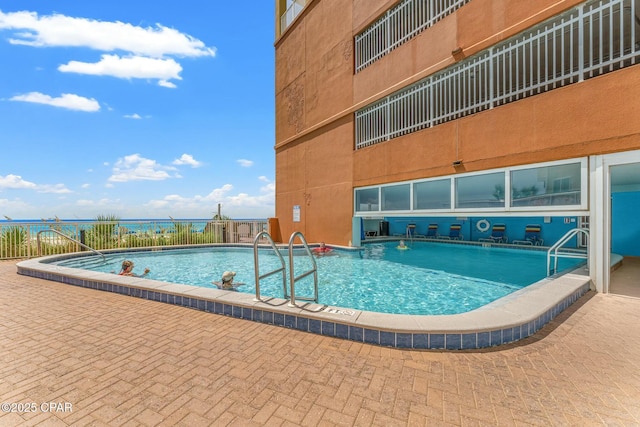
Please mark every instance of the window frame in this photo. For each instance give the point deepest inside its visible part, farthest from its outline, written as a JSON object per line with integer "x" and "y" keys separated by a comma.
{"x": 571, "y": 209}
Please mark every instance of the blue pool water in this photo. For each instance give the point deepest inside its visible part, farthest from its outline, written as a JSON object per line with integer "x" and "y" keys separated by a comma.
{"x": 429, "y": 278}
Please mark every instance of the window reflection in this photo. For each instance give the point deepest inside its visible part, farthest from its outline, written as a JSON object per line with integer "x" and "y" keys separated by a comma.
{"x": 367, "y": 200}
{"x": 480, "y": 191}
{"x": 546, "y": 186}
{"x": 432, "y": 194}
{"x": 533, "y": 187}
{"x": 396, "y": 197}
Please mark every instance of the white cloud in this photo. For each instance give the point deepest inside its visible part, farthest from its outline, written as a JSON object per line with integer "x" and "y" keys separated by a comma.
{"x": 135, "y": 116}
{"x": 187, "y": 159}
{"x": 269, "y": 188}
{"x": 133, "y": 67}
{"x": 240, "y": 205}
{"x": 65, "y": 31}
{"x": 66, "y": 100}
{"x": 15, "y": 182}
{"x": 15, "y": 208}
{"x": 53, "y": 188}
{"x": 97, "y": 203}
{"x": 245, "y": 163}
{"x": 137, "y": 168}
{"x": 166, "y": 84}
{"x": 234, "y": 205}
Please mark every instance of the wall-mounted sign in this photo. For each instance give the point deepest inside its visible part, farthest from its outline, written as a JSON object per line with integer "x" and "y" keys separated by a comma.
{"x": 296, "y": 213}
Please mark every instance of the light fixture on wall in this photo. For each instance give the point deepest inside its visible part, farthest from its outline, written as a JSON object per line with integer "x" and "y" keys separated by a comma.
{"x": 458, "y": 54}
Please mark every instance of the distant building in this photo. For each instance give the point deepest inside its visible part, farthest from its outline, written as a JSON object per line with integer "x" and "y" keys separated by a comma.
{"x": 394, "y": 115}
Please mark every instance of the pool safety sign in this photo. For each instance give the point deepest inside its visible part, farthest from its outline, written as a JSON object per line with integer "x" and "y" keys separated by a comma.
{"x": 296, "y": 213}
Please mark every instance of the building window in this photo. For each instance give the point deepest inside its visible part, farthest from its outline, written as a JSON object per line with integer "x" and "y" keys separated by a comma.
{"x": 432, "y": 194}
{"x": 557, "y": 185}
{"x": 294, "y": 7}
{"x": 542, "y": 187}
{"x": 396, "y": 197}
{"x": 367, "y": 200}
{"x": 480, "y": 191}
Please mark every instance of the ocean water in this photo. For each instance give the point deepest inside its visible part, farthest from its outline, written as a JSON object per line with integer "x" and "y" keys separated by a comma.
{"x": 73, "y": 226}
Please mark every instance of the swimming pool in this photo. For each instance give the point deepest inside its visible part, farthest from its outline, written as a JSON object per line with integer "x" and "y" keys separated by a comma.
{"x": 431, "y": 278}
{"x": 507, "y": 319}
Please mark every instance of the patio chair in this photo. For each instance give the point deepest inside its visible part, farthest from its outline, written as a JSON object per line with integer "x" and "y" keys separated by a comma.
{"x": 498, "y": 234}
{"x": 455, "y": 232}
{"x": 432, "y": 231}
{"x": 532, "y": 236}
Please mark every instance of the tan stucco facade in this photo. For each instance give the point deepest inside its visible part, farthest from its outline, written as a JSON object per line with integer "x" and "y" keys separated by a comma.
{"x": 317, "y": 93}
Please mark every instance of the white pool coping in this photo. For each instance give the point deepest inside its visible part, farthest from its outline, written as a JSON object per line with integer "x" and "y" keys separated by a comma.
{"x": 507, "y": 319}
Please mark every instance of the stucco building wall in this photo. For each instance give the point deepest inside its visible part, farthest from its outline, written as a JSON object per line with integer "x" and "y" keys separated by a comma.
{"x": 317, "y": 94}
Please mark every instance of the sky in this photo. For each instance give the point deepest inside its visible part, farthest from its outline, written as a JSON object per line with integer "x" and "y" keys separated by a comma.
{"x": 136, "y": 109}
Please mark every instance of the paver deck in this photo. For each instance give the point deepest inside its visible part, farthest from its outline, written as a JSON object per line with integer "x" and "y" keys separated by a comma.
{"x": 117, "y": 360}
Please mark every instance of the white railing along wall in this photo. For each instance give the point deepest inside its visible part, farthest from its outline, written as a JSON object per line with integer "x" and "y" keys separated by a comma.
{"x": 399, "y": 25}
{"x": 593, "y": 39}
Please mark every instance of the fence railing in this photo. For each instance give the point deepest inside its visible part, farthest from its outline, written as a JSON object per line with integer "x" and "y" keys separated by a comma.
{"x": 399, "y": 25}
{"x": 592, "y": 39}
{"x": 19, "y": 239}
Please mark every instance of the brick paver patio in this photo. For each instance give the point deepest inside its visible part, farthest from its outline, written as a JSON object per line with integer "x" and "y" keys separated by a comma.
{"x": 108, "y": 359}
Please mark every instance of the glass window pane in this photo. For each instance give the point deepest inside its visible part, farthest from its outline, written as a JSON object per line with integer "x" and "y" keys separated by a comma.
{"x": 546, "y": 186}
{"x": 396, "y": 197}
{"x": 367, "y": 200}
{"x": 480, "y": 191}
{"x": 432, "y": 194}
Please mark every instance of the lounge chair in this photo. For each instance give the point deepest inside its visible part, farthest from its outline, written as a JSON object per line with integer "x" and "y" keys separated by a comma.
{"x": 532, "y": 236}
{"x": 498, "y": 234}
{"x": 432, "y": 231}
{"x": 455, "y": 232}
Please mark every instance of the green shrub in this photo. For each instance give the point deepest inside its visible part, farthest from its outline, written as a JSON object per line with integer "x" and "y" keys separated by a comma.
{"x": 13, "y": 242}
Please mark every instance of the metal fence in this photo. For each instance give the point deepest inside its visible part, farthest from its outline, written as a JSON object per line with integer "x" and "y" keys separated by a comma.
{"x": 31, "y": 239}
{"x": 593, "y": 39}
{"x": 399, "y": 25}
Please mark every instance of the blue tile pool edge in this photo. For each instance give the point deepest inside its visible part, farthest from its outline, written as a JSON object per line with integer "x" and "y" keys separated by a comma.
{"x": 423, "y": 340}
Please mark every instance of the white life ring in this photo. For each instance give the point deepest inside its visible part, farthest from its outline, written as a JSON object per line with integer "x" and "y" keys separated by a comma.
{"x": 483, "y": 225}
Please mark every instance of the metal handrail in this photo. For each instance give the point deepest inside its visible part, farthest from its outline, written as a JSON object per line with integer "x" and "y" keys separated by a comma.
{"x": 293, "y": 279}
{"x": 257, "y": 265}
{"x": 66, "y": 237}
{"x": 553, "y": 250}
{"x": 410, "y": 232}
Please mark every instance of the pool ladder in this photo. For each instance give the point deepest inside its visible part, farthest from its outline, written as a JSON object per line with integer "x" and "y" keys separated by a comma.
{"x": 288, "y": 293}
{"x": 555, "y": 251}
